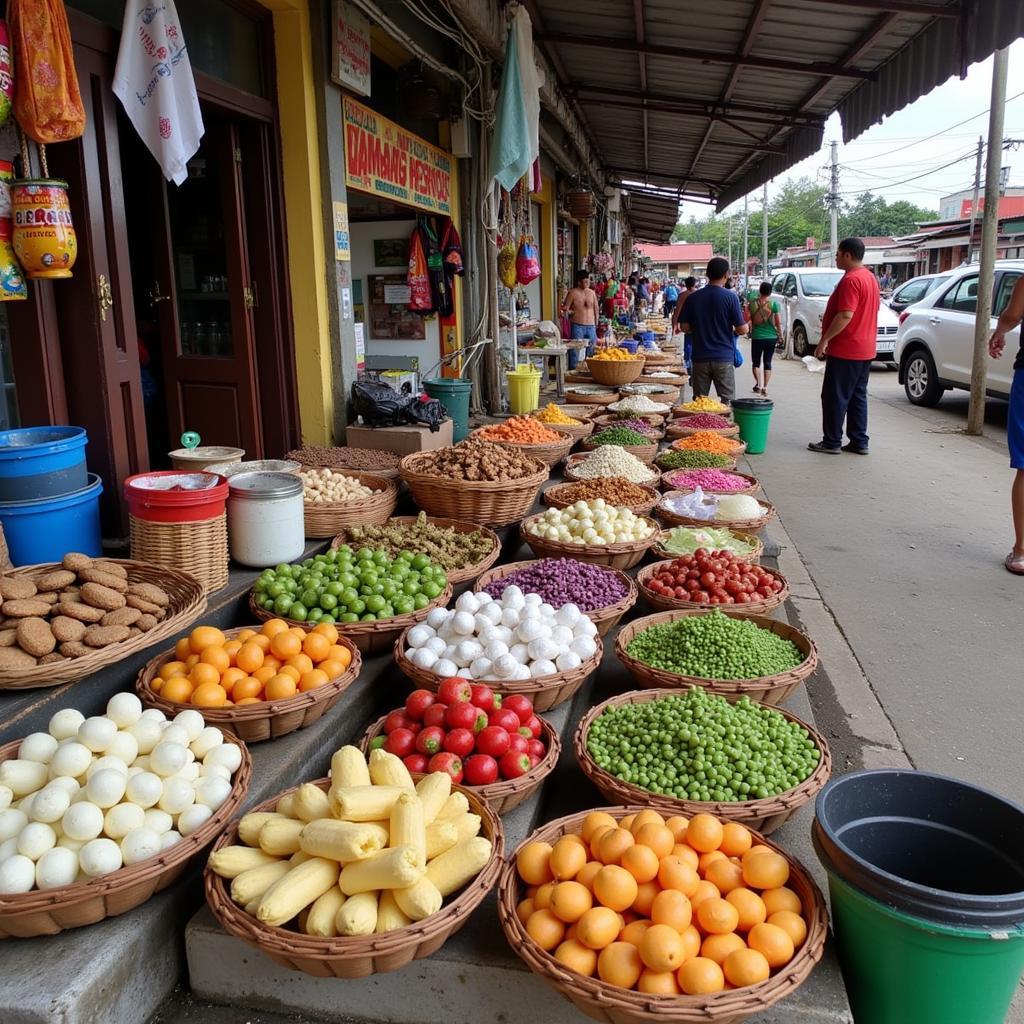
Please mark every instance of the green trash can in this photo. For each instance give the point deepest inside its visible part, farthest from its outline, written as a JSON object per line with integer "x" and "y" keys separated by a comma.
{"x": 453, "y": 393}
{"x": 753, "y": 416}
{"x": 926, "y": 879}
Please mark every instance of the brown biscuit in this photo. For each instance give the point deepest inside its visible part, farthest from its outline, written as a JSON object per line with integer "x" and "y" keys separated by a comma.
{"x": 80, "y": 611}
{"x": 8, "y": 637}
{"x": 74, "y": 561}
{"x": 49, "y": 597}
{"x": 14, "y": 658}
{"x": 104, "y": 579}
{"x": 134, "y": 601}
{"x": 98, "y": 596}
{"x": 20, "y": 609}
{"x": 16, "y": 587}
{"x": 75, "y": 649}
{"x": 65, "y": 628}
{"x": 35, "y": 636}
{"x": 150, "y": 592}
{"x": 144, "y": 623}
{"x": 52, "y": 658}
{"x": 56, "y": 580}
{"x": 102, "y": 636}
{"x": 121, "y": 617}
{"x": 134, "y": 631}
{"x": 114, "y": 568}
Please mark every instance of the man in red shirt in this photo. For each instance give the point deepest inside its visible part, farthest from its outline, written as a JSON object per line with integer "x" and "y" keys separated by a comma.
{"x": 848, "y": 332}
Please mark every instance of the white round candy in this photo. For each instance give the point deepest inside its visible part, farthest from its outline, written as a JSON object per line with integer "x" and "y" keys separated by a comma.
{"x": 69, "y": 785}
{"x": 512, "y": 597}
{"x": 142, "y": 761}
{"x": 124, "y": 746}
{"x": 6, "y": 797}
{"x": 56, "y": 867}
{"x": 544, "y": 650}
{"x": 82, "y": 821}
{"x": 546, "y": 610}
{"x": 38, "y": 746}
{"x": 480, "y": 667}
{"x": 17, "y": 874}
{"x": 418, "y": 636}
{"x": 147, "y": 732}
{"x": 522, "y": 672}
{"x": 175, "y": 734}
{"x": 159, "y": 821}
{"x": 533, "y": 600}
{"x": 139, "y": 844}
{"x": 567, "y": 661}
{"x": 106, "y": 787}
{"x": 190, "y": 772}
{"x": 510, "y": 617}
{"x": 568, "y": 615}
{"x": 106, "y": 761}
{"x": 35, "y": 839}
{"x": 462, "y": 623}
{"x": 168, "y": 758}
{"x": 505, "y": 666}
{"x": 435, "y": 645}
{"x": 96, "y": 733}
{"x": 542, "y": 668}
{"x": 50, "y": 803}
{"x": 144, "y": 789}
{"x": 120, "y": 820}
{"x": 210, "y": 791}
{"x": 153, "y": 715}
{"x": 8, "y": 848}
{"x": 72, "y": 759}
{"x": 177, "y": 795}
{"x": 67, "y": 843}
{"x": 446, "y": 667}
{"x": 530, "y": 630}
{"x": 64, "y": 724}
{"x": 207, "y": 739}
{"x": 193, "y": 817}
{"x": 437, "y": 618}
{"x": 191, "y": 721}
{"x": 169, "y": 839}
{"x": 99, "y": 857}
{"x": 229, "y": 755}
{"x": 491, "y": 611}
{"x": 424, "y": 657}
{"x": 124, "y": 709}
{"x": 521, "y": 652}
{"x": 467, "y": 602}
{"x": 562, "y": 635}
{"x": 584, "y": 646}
{"x": 12, "y": 821}
{"x": 467, "y": 651}
{"x": 584, "y": 627}
{"x": 495, "y": 649}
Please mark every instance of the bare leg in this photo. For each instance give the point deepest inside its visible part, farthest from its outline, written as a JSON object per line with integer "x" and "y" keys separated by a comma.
{"x": 1017, "y": 499}
{"x": 767, "y": 377}
{"x": 757, "y": 378}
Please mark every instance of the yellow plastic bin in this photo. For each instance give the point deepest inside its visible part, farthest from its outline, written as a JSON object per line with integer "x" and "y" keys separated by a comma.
{"x": 523, "y": 389}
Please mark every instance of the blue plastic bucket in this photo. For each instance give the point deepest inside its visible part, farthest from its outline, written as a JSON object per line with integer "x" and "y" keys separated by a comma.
{"x": 42, "y": 462}
{"x": 629, "y": 344}
{"x": 46, "y": 529}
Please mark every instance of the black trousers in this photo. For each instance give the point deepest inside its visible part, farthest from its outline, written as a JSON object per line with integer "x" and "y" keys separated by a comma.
{"x": 844, "y": 396}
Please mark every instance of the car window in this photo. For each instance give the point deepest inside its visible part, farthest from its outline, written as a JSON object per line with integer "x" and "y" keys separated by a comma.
{"x": 1006, "y": 283}
{"x": 790, "y": 289}
{"x": 937, "y": 282}
{"x": 915, "y": 291}
{"x": 778, "y": 283}
{"x": 962, "y": 297}
{"x": 822, "y": 284}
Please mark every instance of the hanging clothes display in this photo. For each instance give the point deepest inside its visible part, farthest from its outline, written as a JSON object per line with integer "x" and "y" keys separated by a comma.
{"x": 451, "y": 251}
{"x": 435, "y": 298}
{"x": 6, "y": 74}
{"x": 420, "y": 300}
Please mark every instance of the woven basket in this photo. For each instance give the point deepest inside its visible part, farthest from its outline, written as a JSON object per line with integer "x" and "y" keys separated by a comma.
{"x": 676, "y": 430}
{"x": 772, "y": 689}
{"x": 613, "y": 1005}
{"x": 369, "y": 637}
{"x": 625, "y": 413}
{"x": 601, "y": 398}
{"x": 577, "y": 412}
{"x": 658, "y": 550}
{"x": 606, "y": 618}
{"x": 667, "y": 604}
{"x": 455, "y": 576}
{"x": 737, "y": 449}
{"x": 578, "y": 377}
{"x": 669, "y": 485}
{"x": 549, "y": 453}
{"x": 358, "y": 956}
{"x": 187, "y": 603}
{"x": 546, "y": 692}
{"x": 665, "y": 396}
{"x": 618, "y": 556}
{"x": 657, "y": 358}
{"x": 505, "y": 794}
{"x": 200, "y": 549}
{"x": 666, "y": 515}
{"x": 576, "y": 433}
{"x": 644, "y": 452}
{"x": 677, "y": 380}
{"x": 574, "y": 460}
{"x": 729, "y": 467}
{"x": 554, "y": 497}
{"x": 476, "y": 501}
{"x": 338, "y": 462}
{"x": 253, "y": 723}
{"x": 611, "y": 419}
{"x": 679, "y": 413}
{"x": 615, "y": 372}
{"x": 763, "y": 815}
{"x": 49, "y": 911}
{"x": 329, "y": 518}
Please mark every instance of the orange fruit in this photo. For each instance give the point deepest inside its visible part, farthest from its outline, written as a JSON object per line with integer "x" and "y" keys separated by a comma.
{"x": 705, "y": 891}
{"x": 249, "y": 657}
{"x": 182, "y": 649}
{"x": 658, "y": 984}
{"x": 746, "y": 967}
{"x": 634, "y": 931}
{"x": 216, "y": 656}
{"x": 673, "y": 909}
{"x": 340, "y": 653}
{"x": 641, "y": 862}
{"x": 736, "y": 839}
{"x": 700, "y": 977}
{"x": 577, "y": 957}
{"x": 673, "y": 873}
{"x": 290, "y": 670}
{"x": 781, "y": 899}
{"x": 209, "y": 695}
{"x": 768, "y": 871}
{"x": 657, "y": 837}
{"x": 704, "y": 833}
{"x": 567, "y": 857}
{"x": 232, "y": 647}
{"x": 598, "y": 834}
{"x": 284, "y": 644}
{"x": 269, "y": 661}
{"x": 619, "y": 964}
{"x": 298, "y": 631}
{"x": 662, "y": 948}
{"x": 173, "y": 668}
{"x": 570, "y": 901}
{"x": 156, "y": 685}
{"x": 263, "y": 673}
{"x": 615, "y": 887}
{"x": 203, "y": 674}
{"x": 792, "y": 924}
{"x": 248, "y": 700}
{"x": 261, "y": 641}
{"x": 687, "y": 854}
{"x": 524, "y": 908}
{"x": 717, "y": 916}
{"x": 245, "y": 634}
{"x": 718, "y": 947}
{"x": 534, "y": 863}
{"x": 204, "y": 636}
{"x": 230, "y": 677}
{"x": 645, "y": 894}
{"x": 542, "y": 897}
{"x": 249, "y": 686}
{"x": 272, "y": 627}
{"x": 327, "y": 629}
{"x": 598, "y": 927}
{"x": 691, "y": 942}
{"x": 749, "y": 906}
{"x": 707, "y": 859}
{"x": 280, "y": 687}
{"x": 612, "y": 845}
{"x": 316, "y": 646}
{"x": 755, "y": 851}
{"x": 313, "y": 680}
{"x": 641, "y": 818}
{"x": 178, "y": 689}
{"x": 545, "y": 929}
{"x": 774, "y": 942}
{"x": 303, "y": 662}
{"x": 678, "y": 824}
{"x": 191, "y": 661}
{"x": 726, "y": 875}
{"x": 586, "y": 874}
{"x": 627, "y": 821}
{"x": 331, "y": 668}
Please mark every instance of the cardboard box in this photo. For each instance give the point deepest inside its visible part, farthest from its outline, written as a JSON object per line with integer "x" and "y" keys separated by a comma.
{"x": 400, "y": 440}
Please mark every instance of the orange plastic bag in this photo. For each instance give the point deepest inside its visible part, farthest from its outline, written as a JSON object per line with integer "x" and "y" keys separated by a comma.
{"x": 47, "y": 103}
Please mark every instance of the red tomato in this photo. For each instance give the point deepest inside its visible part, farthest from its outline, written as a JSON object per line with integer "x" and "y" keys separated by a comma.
{"x": 481, "y": 770}
{"x": 536, "y": 749}
{"x": 463, "y": 716}
{"x": 459, "y": 742}
{"x": 446, "y": 763}
{"x": 522, "y": 706}
{"x": 533, "y": 724}
{"x": 513, "y": 765}
{"x": 453, "y": 689}
{"x": 401, "y": 742}
{"x": 399, "y": 720}
{"x": 517, "y": 744}
{"x": 417, "y": 703}
{"x": 430, "y": 740}
{"x": 534, "y": 760}
{"x": 483, "y": 696}
{"x": 505, "y": 718}
{"x": 492, "y": 741}
{"x": 434, "y": 715}
{"x": 416, "y": 763}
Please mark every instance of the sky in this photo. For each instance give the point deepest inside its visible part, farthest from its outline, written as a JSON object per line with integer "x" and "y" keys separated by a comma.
{"x": 883, "y": 157}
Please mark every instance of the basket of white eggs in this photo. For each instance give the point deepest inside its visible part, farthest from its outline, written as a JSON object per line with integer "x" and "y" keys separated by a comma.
{"x": 98, "y": 814}
{"x": 515, "y": 643}
{"x": 591, "y": 531}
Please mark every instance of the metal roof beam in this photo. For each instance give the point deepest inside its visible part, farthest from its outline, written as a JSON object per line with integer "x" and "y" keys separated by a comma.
{"x": 638, "y": 24}
{"x": 706, "y": 56}
{"x": 897, "y": 7}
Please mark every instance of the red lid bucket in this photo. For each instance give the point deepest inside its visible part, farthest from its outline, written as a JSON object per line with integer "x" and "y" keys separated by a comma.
{"x": 175, "y": 496}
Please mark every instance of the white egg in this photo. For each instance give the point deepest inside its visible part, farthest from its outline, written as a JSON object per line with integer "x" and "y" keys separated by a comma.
{"x": 177, "y": 795}
{"x": 435, "y": 645}
{"x": 568, "y": 615}
{"x": 544, "y": 650}
{"x": 64, "y": 724}
{"x": 172, "y": 733}
{"x": 210, "y": 791}
{"x": 462, "y": 623}
{"x": 510, "y": 617}
{"x": 154, "y": 715}
{"x": 208, "y": 738}
{"x": 106, "y": 787}
{"x": 418, "y": 636}
{"x": 125, "y": 746}
{"x": 35, "y": 839}
{"x": 584, "y": 646}
{"x": 437, "y": 618}
{"x": 467, "y": 651}
{"x": 521, "y": 652}
{"x": 468, "y": 602}
{"x": 56, "y": 867}
{"x": 6, "y": 797}
{"x": 82, "y": 821}
{"x": 17, "y": 874}
{"x": 139, "y": 844}
{"x": 169, "y": 839}
{"x": 512, "y": 597}
{"x": 96, "y": 733}
{"x": 106, "y": 761}
{"x": 585, "y": 627}
{"x": 191, "y": 721}
{"x": 491, "y": 611}
{"x": 445, "y": 667}
{"x": 567, "y": 661}
{"x": 8, "y": 848}
{"x": 50, "y": 803}
{"x": 228, "y": 754}
{"x": 99, "y": 857}
{"x": 542, "y": 668}
{"x": 480, "y": 667}
{"x": 562, "y": 635}
{"x": 214, "y": 769}
{"x": 124, "y": 709}
{"x": 193, "y": 817}
{"x": 38, "y": 746}
{"x": 530, "y": 630}
{"x": 159, "y": 821}
{"x": 147, "y": 733}
{"x": 505, "y": 666}
{"x": 23, "y": 777}
{"x": 167, "y": 758}
{"x": 120, "y": 820}
{"x": 424, "y": 658}
{"x": 495, "y": 649}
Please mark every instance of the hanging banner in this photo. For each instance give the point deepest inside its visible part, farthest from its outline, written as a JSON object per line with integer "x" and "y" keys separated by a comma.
{"x": 351, "y": 48}
{"x": 342, "y": 239}
{"x": 385, "y": 160}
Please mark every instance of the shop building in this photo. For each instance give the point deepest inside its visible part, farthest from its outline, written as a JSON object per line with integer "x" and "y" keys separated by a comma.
{"x": 679, "y": 260}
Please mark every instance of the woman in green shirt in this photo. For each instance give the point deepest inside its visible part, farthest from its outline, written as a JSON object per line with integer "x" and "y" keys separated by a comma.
{"x": 765, "y": 332}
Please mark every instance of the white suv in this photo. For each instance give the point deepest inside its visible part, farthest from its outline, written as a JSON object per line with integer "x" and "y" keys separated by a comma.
{"x": 935, "y": 345}
{"x": 802, "y": 294}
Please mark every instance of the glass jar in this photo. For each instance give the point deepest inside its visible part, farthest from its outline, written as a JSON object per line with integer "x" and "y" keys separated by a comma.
{"x": 265, "y": 519}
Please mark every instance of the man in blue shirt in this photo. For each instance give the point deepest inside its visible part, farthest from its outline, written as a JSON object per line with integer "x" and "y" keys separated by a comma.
{"x": 713, "y": 317}
{"x": 671, "y": 297}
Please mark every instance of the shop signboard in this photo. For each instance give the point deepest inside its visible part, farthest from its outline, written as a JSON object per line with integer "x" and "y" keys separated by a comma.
{"x": 342, "y": 239}
{"x": 385, "y": 160}
{"x": 351, "y": 48}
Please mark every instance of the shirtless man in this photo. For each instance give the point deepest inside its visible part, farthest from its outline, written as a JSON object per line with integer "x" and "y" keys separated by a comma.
{"x": 580, "y": 305}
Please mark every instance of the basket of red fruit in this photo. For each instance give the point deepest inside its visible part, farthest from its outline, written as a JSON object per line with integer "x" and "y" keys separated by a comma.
{"x": 712, "y": 577}
{"x": 499, "y": 747}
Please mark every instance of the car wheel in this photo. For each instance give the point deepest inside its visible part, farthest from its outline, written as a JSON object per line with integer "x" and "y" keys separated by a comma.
{"x": 920, "y": 380}
{"x": 800, "y": 346}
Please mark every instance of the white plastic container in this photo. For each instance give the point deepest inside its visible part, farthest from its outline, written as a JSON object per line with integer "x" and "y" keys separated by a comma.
{"x": 265, "y": 519}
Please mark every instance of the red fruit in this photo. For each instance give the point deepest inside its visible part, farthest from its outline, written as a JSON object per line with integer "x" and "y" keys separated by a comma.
{"x": 533, "y": 724}
{"x": 417, "y": 703}
{"x": 481, "y": 770}
{"x": 459, "y": 742}
{"x": 513, "y": 765}
{"x": 534, "y": 760}
{"x": 446, "y": 763}
{"x": 524, "y": 731}
{"x": 463, "y": 716}
{"x": 416, "y": 763}
{"x": 505, "y": 719}
{"x": 517, "y": 744}
{"x": 398, "y": 720}
{"x": 522, "y": 706}
{"x": 453, "y": 689}
{"x": 434, "y": 715}
{"x": 483, "y": 696}
{"x": 492, "y": 741}
{"x": 497, "y": 702}
{"x": 536, "y": 749}
{"x": 430, "y": 740}
{"x": 401, "y": 742}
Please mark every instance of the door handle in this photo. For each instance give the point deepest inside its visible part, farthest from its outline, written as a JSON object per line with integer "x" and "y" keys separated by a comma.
{"x": 154, "y": 295}
{"x": 934, "y": 320}
{"x": 104, "y": 296}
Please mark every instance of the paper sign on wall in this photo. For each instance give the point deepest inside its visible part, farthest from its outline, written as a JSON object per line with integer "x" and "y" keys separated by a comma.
{"x": 351, "y": 48}
{"x": 360, "y": 349}
{"x": 342, "y": 242}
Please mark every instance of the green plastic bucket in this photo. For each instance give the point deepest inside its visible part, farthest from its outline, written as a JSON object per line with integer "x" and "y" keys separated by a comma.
{"x": 453, "y": 393}
{"x": 926, "y": 879}
{"x": 523, "y": 389}
{"x": 753, "y": 416}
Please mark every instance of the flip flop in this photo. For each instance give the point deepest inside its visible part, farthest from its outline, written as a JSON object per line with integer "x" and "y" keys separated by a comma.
{"x": 1015, "y": 564}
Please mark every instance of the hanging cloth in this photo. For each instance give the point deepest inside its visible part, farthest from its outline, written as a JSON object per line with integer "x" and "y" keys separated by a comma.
{"x": 420, "y": 299}
{"x": 6, "y": 74}
{"x": 47, "y": 103}
{"x": 153, "y": 80}
{"x": 451, "y": 251}
{"x": 515, "y": 142}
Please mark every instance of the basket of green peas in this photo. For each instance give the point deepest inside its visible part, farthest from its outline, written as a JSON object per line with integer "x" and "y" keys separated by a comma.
{"x": 691, "y": 751}
{"x": 725, "y": 651}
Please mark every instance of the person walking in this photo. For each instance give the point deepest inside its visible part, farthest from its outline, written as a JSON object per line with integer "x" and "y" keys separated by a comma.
{"x": 849, "y": 329}
{"x": 714, "y": 317}
{"x": 580, "y": 305}
{"x": 1010, "y": 318}
{"x": 765, "y": 332}
{"x": 689, "y": 287}
{"x": 671, "y": 297}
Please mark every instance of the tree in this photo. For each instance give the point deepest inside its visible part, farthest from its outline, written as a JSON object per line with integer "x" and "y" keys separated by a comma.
{"x": 869, "y": 214}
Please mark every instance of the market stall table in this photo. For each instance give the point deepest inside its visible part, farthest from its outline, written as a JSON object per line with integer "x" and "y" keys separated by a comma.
{"x": 558, "y": 354}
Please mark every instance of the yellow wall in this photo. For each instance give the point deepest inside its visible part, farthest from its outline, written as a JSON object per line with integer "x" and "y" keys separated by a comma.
{"x": 584, "y": 243}
{"x": 548, "y": 248}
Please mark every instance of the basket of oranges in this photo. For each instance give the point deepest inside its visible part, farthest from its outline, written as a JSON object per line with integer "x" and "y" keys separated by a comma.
{"x": 259, "y": 683}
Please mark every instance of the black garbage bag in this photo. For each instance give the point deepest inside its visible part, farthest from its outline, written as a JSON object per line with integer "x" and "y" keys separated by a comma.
{"x": 380, "y": 405}
{"x": 429, "y": 411}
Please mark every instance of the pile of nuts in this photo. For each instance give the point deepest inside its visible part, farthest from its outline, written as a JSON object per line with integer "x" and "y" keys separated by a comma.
{"x": 345, "y": 458}
{"x": 477, "y": 460}
{"x": 616, "y": 490}
{"x": 324, "y": 486}
{"x": 72, "y": 611}
{"x": 443, "y": 545}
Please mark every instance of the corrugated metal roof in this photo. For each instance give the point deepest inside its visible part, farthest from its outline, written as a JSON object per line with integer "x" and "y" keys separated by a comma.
{"x": 652, "y": 218}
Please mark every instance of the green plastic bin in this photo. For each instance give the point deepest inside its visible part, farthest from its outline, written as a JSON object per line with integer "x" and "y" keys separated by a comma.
{"x": 453, "y": 393}
{"x": 753, "y": 416}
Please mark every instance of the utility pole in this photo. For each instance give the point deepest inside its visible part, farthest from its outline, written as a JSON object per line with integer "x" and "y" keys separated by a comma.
{"x": 730, "y": 242}
{"x": 764, "y": 232}
{"x": 833, "y": 200}
{"x": 989, "y": 231}
{"x": 974, "y": 200}
{"x": 746, "y": 235}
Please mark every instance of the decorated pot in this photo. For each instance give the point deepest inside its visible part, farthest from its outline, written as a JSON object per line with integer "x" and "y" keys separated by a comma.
{"x": 44, "y": 238}
{"x": 12, "y": 281}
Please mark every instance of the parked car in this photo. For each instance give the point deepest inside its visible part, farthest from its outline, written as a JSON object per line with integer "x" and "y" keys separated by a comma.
{"x": 802, "y": 294}
{"x": 935, "y": 344}
{"x": 915, "y": 290}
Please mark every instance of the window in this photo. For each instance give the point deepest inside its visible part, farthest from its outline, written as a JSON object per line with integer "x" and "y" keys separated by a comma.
{"x": 823, "y": 284}
{"x": 789, "y": 290}
{"x": 962, "y": 297}
{"x": 1005, "y": 290}
{"x": 913, "y": 292}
